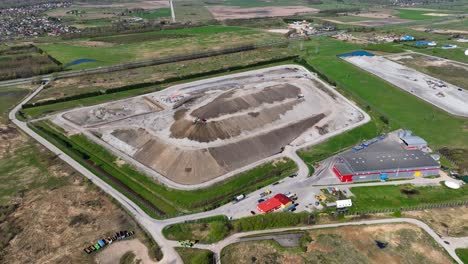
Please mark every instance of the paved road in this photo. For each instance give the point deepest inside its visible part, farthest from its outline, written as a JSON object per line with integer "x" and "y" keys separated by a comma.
{"x": 154, "y": 227}
{"x": 450, "y": 248}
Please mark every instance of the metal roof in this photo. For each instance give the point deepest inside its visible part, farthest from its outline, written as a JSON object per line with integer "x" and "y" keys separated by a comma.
{"x": 360, "y": 162}
{"x": 414, "y": 140}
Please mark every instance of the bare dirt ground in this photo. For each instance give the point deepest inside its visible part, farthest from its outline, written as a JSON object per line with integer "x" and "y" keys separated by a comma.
{"x": 353, "y": 244}
{"x": 449, "y": 71}
{"x": 446, "y": 96}
{"x": 384, "y": 13}
{"x": 114, "y": 252}
{"x": 381, "y": 22}
{"x": 235, "y": 12}
{"x": 445, "y": 221}
{"x": 55, "y": 212}
{"x": 204, "y": 129}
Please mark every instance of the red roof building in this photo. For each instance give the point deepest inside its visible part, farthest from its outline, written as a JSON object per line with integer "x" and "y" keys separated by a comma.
{"x": 278, "y": 201}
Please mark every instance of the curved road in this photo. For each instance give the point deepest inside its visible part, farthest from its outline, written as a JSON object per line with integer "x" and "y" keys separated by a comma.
{"x": 155, "y": 227}
{"x": 216, "y": 248}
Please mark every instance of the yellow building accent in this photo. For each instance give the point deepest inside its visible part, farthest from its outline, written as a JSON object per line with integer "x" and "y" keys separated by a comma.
{"x": 417, "y": 174}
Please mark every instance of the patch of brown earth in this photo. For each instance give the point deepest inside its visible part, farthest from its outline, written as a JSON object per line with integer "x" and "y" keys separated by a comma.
{"x": 228, "y": 127}
{"x": 114, "y": 252}
{"x": 190, "y": 166}
{"x": 444, "y": 221}
{"x": 226, "y": 103}
{"x": 236, "y": 12}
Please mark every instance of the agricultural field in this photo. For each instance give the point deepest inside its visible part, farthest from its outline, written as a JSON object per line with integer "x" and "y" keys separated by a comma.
{"x": 192, "y": 10}
{"x": 402, "y": 243}
{"x": 83, "y": 15}
{"x": 143, "y": 46}
{"x": 24, "y": 61}
{"x": 37, "y": 185}
{"x": 103, "y": 81}
{"x": 425, "y": 14}
{"x": 396, "y": 196}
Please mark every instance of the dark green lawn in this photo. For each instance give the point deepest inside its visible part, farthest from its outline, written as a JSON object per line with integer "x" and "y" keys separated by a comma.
{"x": 394, "y": 197}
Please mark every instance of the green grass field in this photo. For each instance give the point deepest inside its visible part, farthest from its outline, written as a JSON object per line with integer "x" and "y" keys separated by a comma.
{"x": 8, "y": 98}
{"x": 161, "y": 12}
{"x": 412, "y": 14}
{"x": 144, "y": 46}
{"x": 394, "y": 197}
{"x": 196, "y": 256}
{"x": 462, "y": 253}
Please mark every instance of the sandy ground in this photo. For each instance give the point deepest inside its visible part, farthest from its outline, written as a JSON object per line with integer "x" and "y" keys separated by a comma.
{"x": 235, "y": 12}
{"x": 387, "y": 13}
{"x": 112, "y": 253}
{"x": 437, "y": 14}
{"x": 448, "y": 98}
{"x": 279, "y": 30}
{"x": 250, "y": 117}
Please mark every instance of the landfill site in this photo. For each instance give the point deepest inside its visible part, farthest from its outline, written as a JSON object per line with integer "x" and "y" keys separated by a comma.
{"x": 448, "y": 97}
{"x": 195, "y": 132}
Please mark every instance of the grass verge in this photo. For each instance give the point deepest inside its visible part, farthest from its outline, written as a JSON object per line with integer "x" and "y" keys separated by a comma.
{"x": 462, "y": 253}
{"x": 196, "y": 256}
{"x": 397, "y": 196}
{"x": 213, "y": 230}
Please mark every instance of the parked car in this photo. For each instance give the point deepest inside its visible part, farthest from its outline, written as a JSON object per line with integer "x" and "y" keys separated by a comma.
{"x": 260, "y": 200}
{"x": 293, "y": 175}
{"x": 252, "y": 212}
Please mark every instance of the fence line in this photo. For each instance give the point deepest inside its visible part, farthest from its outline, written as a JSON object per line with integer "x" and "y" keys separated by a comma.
{"x": 411, "y": 208}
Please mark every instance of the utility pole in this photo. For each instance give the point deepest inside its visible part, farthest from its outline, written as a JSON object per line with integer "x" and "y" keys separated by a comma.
{"x": 172, "y": 12}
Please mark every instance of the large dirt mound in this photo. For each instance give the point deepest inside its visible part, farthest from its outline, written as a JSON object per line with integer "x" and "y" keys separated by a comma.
{"x": 229, "y": 127}
{"x": 191, "y": 166}
{"x": 228, "y": 104}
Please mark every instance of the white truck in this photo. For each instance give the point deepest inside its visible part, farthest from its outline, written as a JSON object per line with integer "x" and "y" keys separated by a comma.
{"x": 238, "y": 198}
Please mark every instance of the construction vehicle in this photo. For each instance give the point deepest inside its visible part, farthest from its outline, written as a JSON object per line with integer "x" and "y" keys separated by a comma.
{"x": 187, "y": 243}
{"x": 265, "y": 193}
{"x": 320, "y": 197}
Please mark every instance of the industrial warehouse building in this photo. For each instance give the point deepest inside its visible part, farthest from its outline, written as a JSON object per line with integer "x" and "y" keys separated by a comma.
{"x": 276, "y": 202}
{"x": 385, "y": 158}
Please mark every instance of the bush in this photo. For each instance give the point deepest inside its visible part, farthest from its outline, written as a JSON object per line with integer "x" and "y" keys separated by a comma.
{"x": 219, "y": 230}
{"x": 205, "y": 257}
{"x": 273, "y": 220}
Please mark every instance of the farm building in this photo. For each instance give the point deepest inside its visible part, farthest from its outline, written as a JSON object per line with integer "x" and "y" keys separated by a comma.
{"x": 387, "y": 158}
{"x": 278, "y": 201}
